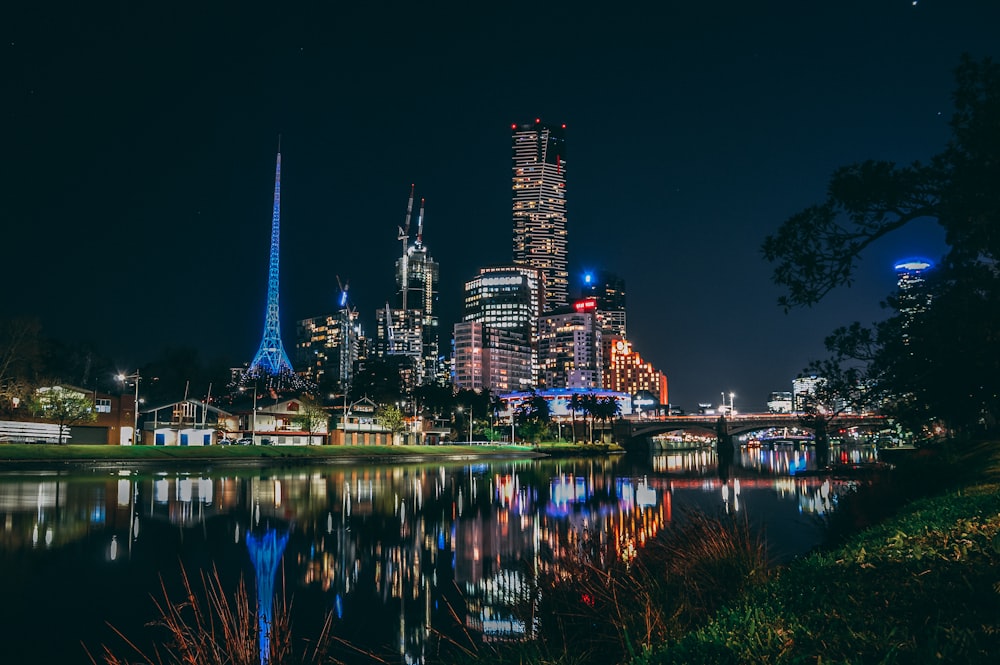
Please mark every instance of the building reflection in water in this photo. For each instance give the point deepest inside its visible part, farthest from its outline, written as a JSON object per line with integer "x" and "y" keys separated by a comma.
{"x": 408, "y": 551}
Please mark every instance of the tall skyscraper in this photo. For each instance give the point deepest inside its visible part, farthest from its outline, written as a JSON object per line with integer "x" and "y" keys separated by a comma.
{"x": 538, "y": 186}
{"x": 914, "y": 298}
{"x": 417, "y": 276}
{"x": 409, "y": 326}
{"x": 271, "y": 362}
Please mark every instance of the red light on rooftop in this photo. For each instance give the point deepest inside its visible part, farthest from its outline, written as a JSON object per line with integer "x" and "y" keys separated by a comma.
{"x": 537, "y": 120}
{"x": 564, "y": 125}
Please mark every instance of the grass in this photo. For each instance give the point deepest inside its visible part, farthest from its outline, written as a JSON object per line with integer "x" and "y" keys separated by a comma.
{"x": 923, "y": 586}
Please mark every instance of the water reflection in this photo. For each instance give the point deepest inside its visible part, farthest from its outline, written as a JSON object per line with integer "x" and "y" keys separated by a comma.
{"x": 396, "y": 553}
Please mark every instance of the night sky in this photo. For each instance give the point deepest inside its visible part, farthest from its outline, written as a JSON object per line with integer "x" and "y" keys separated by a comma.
{"x": 141, "y": 137}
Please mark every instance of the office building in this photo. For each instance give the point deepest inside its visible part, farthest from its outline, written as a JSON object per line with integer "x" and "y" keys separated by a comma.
{"x": 494, "y": 359}
{"x": 569, "y": 348}
{"x": 508, "y": 299}
{"x": 538, "y": 163}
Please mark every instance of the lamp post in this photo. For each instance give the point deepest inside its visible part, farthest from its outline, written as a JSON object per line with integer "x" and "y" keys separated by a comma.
{"x": 732, "y": 407}
{"x": 135, "y": 406}
{"x": 461, "y": 409}
{"x": 253, "y": 416}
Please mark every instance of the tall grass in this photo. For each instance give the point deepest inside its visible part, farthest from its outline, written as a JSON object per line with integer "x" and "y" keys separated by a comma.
{"x": 211, "y": 628}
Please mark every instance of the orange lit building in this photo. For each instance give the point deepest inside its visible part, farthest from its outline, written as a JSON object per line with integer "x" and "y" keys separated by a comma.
{"x": 625, "y": 371}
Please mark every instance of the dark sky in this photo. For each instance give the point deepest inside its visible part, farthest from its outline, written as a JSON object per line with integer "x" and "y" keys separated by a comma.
{"x": 139, "y": 159}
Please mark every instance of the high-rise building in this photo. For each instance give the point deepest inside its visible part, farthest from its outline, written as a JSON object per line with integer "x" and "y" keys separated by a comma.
{"x": 913, "y": 296}
{"x": 495, "y": 359}
{"x": 417, "y": 276}
{"x": 804, "y": 390}
{"x": 327, "y": 348}
{"x": 507, "y": 301}
{"x": 608, "y": 292}
{"x": 410, "y": 326}
{"x": 569, "y": 348}
{"x": 538, "y": 163}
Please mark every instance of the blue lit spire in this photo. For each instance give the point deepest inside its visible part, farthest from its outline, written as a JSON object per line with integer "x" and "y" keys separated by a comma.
{"x": 271, "y": 360}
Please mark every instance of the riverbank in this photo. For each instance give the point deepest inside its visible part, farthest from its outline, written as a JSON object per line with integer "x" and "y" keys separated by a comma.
{"x": 921, "y": 586}
{"x": 22, "y": 456}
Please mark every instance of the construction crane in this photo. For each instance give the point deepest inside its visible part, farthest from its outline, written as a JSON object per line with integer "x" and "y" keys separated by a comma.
{"x": 420, "y": 224}
{"x": 404, "y": 236}
{"x": 389, "y": 336}
{"x": 342, "y": 300}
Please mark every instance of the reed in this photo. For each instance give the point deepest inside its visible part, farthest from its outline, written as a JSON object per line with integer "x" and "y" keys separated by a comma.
{"x": 208, "y": 627}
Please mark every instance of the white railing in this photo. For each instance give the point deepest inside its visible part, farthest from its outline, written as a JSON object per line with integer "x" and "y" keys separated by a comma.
{"x": 13, "y": 431}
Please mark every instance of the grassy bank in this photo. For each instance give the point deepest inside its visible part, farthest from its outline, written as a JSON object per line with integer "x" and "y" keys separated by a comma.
{"x": 21, "y": 454}
{"x": 922, "y": 586}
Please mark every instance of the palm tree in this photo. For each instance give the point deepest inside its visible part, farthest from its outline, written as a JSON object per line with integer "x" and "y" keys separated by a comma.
{"x": 575, "y": 404}
{"x": 607, "y": 408}
{"x": 589, "y": 410}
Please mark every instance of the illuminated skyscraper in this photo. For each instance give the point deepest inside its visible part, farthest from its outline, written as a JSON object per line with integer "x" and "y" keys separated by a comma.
{"x": 913, "y": 299}
{"x": 410, "y": 328}
{"x": 539, "y": 205}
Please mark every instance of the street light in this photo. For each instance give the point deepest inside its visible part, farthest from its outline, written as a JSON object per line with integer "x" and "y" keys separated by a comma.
{"x": 732, "y": 408}
{"x": 462, "y": 410}
{"x": 135, "y": 407}
{"x": 253, "y": 426}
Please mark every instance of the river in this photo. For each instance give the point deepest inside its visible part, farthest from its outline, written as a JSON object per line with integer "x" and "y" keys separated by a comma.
{"x": 394, "y": 552}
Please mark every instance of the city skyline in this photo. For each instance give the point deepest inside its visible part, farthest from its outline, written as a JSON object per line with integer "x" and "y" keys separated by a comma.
{"x": 143, "y": 147}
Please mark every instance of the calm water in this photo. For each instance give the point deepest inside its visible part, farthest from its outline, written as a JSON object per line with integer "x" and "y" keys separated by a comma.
{"x": 394, "y": 552}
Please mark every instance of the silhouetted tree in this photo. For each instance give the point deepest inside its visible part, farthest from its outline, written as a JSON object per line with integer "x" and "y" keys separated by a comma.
{"x": 948, "y": 367}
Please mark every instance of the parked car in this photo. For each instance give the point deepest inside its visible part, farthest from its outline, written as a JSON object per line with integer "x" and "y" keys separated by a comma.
{"x": 245, "y": 442}
{"x": 227, "y": 442}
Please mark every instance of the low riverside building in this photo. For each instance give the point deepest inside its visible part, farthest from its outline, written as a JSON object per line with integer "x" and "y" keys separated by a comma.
{"x": 112, "y": 424}
{"x": 188, "y": 422}
{"x": 287, "y": 422}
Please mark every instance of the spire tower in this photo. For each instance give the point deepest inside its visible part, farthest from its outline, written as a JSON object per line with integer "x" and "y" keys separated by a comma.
{"x": 271, "y": 360}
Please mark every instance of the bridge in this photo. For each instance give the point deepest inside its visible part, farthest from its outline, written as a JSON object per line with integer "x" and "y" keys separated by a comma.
{"x": 628, "y": 429}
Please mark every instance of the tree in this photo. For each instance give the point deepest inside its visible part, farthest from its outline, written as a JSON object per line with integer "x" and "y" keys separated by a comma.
{"x": 63, "y": 406}
{"x": 947, "y": 366}
{"x": 606, "y": 409}
{"x": 380, "y": 379}
{"x": 20, "y": 355}
{"x": 391, "y": 418}
{"x": 575, "y": 406}
{"x": 312, "y": 417}
{"x": 533, "y": 416}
